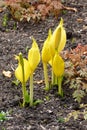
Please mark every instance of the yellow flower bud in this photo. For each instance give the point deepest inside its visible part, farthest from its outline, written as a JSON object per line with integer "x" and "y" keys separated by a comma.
{"x": 58, "y": 39}
{"x": 19, "y": 71}
{"x": 46, "y": 56}
{"x": 34, "y": 56}
{"x": 58, "y": 65}
{"x": 62, "y": 42}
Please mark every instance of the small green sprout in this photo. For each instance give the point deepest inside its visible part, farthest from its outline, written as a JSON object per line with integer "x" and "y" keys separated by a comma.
{"x": 27, "y": 48}
{"x": 61, "y": 120}
{"x": 47, "y": 98}
{"x": 3, "y": 116}
{"x": 15, "y": 26}
{"x": 3, "y": 128}
{"x": 64, "y": 11}
{"x": 5, "y": 20}
{"x": 16, "y": 82}
{"x": 37, "y": 102}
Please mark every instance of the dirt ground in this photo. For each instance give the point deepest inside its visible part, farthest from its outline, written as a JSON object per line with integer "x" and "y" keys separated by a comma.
{"x": 48, "y": 115}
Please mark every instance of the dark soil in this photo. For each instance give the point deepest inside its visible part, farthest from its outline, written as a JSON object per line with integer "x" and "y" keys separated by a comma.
{"x": 48, "y": 115}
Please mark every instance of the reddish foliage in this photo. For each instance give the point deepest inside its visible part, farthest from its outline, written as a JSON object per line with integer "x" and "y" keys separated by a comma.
{"x": 78, "y": 55}
{"x": 76, "y": 70}
{"x": 38, "y": 9}
{"x": 76, "y": 61}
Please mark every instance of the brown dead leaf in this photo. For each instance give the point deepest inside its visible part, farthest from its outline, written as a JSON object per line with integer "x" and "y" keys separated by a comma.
{"x": 84, "y": 85}
{"x": 39, "y": 82}
{"x": 84, "y": 27}
{"x": 2, "y": 3}
{"x": 70, "y": 8}
{"x": 78, "y": 58}
{"x": 1, "y": 10}
{"x": 41, "y": 9}
{"x": 80, "y": 20}
{"x": 7, "y": 73}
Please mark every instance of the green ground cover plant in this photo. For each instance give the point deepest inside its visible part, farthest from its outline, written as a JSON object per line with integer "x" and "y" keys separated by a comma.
{"x": 4, "y": 116}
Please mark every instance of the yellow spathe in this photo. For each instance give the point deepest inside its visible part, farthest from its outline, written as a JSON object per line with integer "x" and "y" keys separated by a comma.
{"x": 58, "y": 39}
{"x": 46, "y": 55}
{"x": 34, "y": 56}
{"x": 58, "y": 65}
{"x": 19, "y": 72}
{"x": 62, "y": 41}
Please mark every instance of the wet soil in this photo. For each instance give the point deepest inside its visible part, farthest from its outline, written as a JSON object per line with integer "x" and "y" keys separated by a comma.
{"x": 48, "y": 115}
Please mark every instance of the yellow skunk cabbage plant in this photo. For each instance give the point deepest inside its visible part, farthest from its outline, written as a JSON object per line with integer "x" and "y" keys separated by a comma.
{"x": 22, "y": 73}
{"x": 46, "y": 57}
{"x": 25, "y": 70}
{"x": 34, "y": 59}
{"x": 58, "y": 69}
{"x": 57, "y": 43}
{"x": 51, "y": 50}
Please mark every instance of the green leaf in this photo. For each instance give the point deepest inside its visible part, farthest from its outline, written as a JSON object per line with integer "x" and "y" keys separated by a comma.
{"x": 3, "y": 116}
{"x": 5, "y": 20}
{"x": 16, "y": 82}
{"x": 78, "y": 95}
{"x": 27, "y": 97}
{"x": 37, "y": 102}
{"x": 61, "y": 120}
{"x": 85, "y": 116}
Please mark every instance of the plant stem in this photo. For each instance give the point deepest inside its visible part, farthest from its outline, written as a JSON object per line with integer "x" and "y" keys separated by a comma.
{"x": 23, "y": 83}
{"x": 56, "y": 80}
{"x": 31, "y": 90}
{"x": 60, "y": 91}
{"x": 46, "y": 76}
{"x": 24, "y": 93}
{"x": 52, "y": 77}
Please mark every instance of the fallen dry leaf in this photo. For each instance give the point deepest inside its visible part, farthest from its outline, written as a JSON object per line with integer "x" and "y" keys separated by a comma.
{"x": 2, "y": 3}
{"x": 70, "y": 8}
{"x": 80, "y": 20}
{"x": 84, "y": 85}
{"x": 1, "y": 10}
{"x": 39, "y": 82}
{"x": 7, "y": 73}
